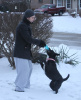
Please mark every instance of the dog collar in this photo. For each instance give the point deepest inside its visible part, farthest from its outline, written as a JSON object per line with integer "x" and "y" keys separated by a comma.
{"x": 50, "y": 59}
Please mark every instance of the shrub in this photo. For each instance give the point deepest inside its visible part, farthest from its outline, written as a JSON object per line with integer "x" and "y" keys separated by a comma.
{"x": 41, "y": 29}
{"x": 15, "y": 5}
{"x": 66, "y": 56}
{"x": 8, "y": 23}
{"x": 72, "y": 12}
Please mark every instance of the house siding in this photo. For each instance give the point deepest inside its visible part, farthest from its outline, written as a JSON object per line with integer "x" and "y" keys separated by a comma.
{"x": 53, "y": 1}
{"x": 36, "y": 4}
{"x": 63, "y": 2}
{"x": 74, "y": 4}
{"x": 79, "y": 5}
{"x": 0, "y": 1}
{"x": 56, "y": 2}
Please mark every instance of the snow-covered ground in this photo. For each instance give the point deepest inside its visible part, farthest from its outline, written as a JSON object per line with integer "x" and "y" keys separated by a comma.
{"x": 40, "y": 90}
{"x": 66, "y": 24}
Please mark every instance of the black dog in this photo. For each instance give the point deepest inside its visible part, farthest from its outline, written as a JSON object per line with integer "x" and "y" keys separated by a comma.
{"x": 52, "y": 72}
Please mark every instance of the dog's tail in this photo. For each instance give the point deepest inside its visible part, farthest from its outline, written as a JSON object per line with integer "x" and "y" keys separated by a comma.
{"x": 66, "y": 78}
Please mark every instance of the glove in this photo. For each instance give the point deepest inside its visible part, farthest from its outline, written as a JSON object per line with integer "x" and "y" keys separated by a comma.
{"x": 42, "y": 44}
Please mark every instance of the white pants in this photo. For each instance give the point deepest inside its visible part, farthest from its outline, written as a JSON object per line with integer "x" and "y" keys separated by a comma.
{"x": 24, "y": 69}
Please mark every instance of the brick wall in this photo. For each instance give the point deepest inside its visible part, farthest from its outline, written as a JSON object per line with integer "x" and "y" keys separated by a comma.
{"x": 36, "y": 4}
{"x": 0, "y": 1}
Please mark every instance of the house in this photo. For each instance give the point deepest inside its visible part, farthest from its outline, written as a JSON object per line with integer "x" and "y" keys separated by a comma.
{"x": 0, "y": 1}
{"x": 14, "y": 5}
{"x": 69, "y": 4}
{"x": 37, "y": 3}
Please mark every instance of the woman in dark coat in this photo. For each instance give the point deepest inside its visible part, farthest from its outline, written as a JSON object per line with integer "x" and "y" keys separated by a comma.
{"x": 22, "y": 51}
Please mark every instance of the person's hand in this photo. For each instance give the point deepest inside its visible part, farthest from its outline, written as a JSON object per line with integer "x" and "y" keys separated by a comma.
{"x": 42, "y": 43}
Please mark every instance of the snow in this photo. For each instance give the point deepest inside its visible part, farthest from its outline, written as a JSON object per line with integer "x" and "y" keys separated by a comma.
{"x": 40, "y": 90}
{"x": 70, "y": 90}
{"x": 66, "y": 24}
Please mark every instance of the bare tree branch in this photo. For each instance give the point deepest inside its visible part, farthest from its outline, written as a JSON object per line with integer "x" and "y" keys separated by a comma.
{"x": 9, "y": 21}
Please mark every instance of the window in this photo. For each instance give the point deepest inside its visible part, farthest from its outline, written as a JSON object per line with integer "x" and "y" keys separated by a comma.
{"x": 68, "y": 4}
{"x": 40, "y": 1}
{"x": 44, "y": 6}
{"x": 59, "y": 3}
{"x": 52, "y": 6}
{"x": 80, "y": 3}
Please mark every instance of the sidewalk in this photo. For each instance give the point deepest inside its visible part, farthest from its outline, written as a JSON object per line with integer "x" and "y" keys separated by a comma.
{"x": 70, "y": 39}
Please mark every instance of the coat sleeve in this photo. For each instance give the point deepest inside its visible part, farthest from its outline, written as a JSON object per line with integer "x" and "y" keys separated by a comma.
{"x": 27, "y": 37}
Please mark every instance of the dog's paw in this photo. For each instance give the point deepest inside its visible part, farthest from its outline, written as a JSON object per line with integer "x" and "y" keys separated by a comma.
{"x": 56, "y": 91}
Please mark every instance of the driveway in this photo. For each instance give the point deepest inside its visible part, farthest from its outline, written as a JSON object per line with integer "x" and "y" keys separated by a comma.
{"x": 69, "y": 39}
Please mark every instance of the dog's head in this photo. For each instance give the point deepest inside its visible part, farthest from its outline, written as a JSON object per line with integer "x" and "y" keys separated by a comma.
{"x": 52, "y": 54}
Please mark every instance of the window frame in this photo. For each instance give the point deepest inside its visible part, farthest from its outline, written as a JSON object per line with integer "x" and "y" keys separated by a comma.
{"x": 79, "y": 4}
{"x": 59, "y": 3}
{"x": 67, "y": 3}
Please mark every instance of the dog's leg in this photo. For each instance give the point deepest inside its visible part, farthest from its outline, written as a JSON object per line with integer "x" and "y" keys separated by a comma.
{"x": 41, "y": 63}
{"x": 53, "y": 86}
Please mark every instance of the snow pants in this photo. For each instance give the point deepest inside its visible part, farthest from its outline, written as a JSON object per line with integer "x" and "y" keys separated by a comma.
{"x": 24, "y": 69}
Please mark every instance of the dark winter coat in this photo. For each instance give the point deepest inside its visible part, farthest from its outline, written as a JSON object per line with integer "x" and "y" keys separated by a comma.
{"x": 24, "y": 40}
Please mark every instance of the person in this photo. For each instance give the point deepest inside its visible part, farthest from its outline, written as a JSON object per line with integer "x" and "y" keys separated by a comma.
{"x": 22, "y": 51}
